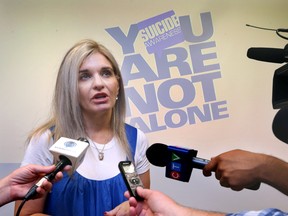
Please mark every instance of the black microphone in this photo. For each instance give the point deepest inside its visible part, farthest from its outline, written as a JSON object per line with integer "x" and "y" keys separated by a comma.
{"x": 272, "y": 55}
{"x": 179, "y": 162}
{"x": 66, "y": 152}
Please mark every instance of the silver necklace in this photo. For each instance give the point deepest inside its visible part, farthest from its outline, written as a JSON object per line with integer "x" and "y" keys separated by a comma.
{"x": 100, "y": 153}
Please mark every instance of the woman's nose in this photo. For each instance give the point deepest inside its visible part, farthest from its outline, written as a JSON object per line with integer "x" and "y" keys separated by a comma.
{"x": 98, "y": 81}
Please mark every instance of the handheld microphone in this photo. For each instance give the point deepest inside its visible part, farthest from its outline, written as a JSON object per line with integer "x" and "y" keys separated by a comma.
{"x": 66, "y": 152}
{"x": 179, "y": 162}
{"x": 272, "y": 55}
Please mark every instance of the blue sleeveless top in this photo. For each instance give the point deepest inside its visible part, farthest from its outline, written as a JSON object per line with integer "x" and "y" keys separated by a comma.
{"x": 79, "y": 196}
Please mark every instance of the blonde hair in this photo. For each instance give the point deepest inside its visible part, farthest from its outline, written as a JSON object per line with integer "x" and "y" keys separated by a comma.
{"x": 67, "y": 119}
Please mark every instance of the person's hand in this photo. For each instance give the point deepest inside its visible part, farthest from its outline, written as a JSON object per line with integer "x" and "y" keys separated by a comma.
{"x": 18, "y": 183}
{"x": 155, "y": 203}
{"x": 237, "y": 169}
{"x": 22, "y": 179}
{"x": 120, "y": 210}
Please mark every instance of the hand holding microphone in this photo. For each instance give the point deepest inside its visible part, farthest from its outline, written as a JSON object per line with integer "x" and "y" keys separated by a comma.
{"x": 237, "y": 169}
{"x": 66, "y": 152}
{"x": 233, "y": 169}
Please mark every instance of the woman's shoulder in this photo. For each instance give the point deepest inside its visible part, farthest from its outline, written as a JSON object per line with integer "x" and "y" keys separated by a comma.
{"x": 129, "y": 127}
{"x": 44, "y": 138}
{"x": 135, "y": 133}
{"x": 37, "y": 151}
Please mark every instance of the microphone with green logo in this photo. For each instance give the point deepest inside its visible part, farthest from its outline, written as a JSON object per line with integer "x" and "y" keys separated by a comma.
{"x": 178, "y": 161}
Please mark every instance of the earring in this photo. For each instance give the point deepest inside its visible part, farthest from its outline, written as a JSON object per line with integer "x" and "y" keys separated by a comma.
{"x": 116, "y": 97}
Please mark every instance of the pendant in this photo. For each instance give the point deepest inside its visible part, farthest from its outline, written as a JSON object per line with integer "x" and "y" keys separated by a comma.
{"x": 101, "y": 156}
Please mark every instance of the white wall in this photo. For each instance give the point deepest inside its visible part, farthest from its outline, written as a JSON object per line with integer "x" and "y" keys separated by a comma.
{"x": 36, "y": 34}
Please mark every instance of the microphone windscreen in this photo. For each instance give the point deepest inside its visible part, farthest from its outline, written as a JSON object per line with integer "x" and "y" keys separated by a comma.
{"x": 280, "y": 125}
{"x": 266, "y": 54}
{"x": 157, "y": 154}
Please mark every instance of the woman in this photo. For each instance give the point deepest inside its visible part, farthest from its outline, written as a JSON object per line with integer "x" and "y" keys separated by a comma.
{"x": 89, "y": 101}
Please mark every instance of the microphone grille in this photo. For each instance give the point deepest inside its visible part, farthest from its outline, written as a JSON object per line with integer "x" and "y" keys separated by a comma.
{"x": 157, "y": 154}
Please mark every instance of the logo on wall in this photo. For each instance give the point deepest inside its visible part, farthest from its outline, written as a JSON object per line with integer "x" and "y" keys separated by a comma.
{"x": 170, "y": 72}
{"x": 160, "y": 32}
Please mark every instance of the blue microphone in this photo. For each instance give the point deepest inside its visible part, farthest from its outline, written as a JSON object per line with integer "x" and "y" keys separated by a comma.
{"x": 179, "y": 162}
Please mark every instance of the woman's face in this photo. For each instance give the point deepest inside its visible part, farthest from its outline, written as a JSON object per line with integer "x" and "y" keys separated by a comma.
{"x": 98, "y": 85}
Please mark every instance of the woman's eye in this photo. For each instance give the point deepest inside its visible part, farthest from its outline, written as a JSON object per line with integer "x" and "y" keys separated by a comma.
{"x": 84, "y": 76}
{"x": 107, "y": 73}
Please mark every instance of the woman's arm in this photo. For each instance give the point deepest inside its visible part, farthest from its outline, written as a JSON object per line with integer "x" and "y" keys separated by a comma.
{"x": 145, "y": 178}
{"x": 31, "y": 207}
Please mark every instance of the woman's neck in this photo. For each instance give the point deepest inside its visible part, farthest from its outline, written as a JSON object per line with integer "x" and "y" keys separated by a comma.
{"x": 99, "y": 129}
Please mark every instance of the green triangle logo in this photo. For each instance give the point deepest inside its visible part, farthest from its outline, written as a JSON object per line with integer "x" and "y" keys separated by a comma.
{"x": 175, "y": 157}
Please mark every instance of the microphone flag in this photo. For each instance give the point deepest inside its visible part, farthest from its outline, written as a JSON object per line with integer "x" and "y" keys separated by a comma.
{"x": 179, "y": 165}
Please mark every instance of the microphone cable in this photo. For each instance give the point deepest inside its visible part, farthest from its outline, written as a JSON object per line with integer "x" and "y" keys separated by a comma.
{"x": 20, "y": 207}
{"x": 278, "y": 31}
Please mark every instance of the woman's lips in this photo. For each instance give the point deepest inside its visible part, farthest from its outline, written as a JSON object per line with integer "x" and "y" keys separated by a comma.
{"x": 100, "y": 98}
